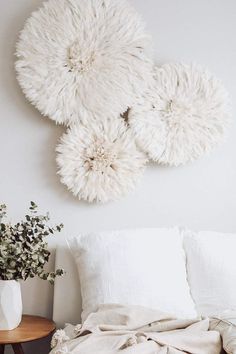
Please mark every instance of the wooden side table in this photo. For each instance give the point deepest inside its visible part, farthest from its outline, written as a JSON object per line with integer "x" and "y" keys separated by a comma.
{"x": 30, "y": 329}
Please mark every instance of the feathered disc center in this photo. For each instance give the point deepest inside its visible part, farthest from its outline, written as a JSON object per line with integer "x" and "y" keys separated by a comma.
{"x": 78, "y": 61}
{"x": 100, "y": 156}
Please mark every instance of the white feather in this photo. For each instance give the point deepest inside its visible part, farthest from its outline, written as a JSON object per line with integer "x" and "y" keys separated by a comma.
{"x": 79, "y": 56}
{"x": 182, "y": 116}
{"x": 99, "y": 162}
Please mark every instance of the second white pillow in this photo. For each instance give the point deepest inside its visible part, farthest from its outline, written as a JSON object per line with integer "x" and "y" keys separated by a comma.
{"x": 211, "y": 268}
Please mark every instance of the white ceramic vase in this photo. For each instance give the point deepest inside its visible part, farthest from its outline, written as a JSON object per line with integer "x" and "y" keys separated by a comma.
{"x": 10, "y": 304}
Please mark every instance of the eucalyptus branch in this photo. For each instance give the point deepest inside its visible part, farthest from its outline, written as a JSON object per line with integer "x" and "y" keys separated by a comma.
{"x": 23, "y": 247}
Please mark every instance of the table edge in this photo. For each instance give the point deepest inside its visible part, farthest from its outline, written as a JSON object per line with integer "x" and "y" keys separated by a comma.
{"x": 31, "y": 339}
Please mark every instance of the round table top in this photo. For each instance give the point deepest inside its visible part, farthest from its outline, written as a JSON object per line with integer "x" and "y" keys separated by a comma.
{"x": 30, "y": 328}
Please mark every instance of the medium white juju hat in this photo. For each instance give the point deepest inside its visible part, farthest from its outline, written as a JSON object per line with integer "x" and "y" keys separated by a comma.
{"x": 184, "y": 115}
{"x": 99, "y": 162}
{"x": 76, "y": 56}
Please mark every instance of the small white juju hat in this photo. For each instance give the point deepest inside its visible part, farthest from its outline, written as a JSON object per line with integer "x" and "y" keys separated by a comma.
{"x": 100, "y": 162}
{"x": 183, "y": 116}
{"x": 76, "y": 56}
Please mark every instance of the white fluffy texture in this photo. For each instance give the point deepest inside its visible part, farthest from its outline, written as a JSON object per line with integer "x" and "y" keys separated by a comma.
{"x": 58, "y": 338}
{"x": 147, "y": 125}
{"x": 184, "y": 115}
{"x": 144, "y": 267}
{"x": 76, "y": 56}
{"x": 100, "y": 162}
{"x": 211, "y": 269}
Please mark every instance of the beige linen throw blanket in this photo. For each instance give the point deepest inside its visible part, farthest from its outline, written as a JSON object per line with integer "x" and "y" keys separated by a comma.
{"x": 137, "y": 330}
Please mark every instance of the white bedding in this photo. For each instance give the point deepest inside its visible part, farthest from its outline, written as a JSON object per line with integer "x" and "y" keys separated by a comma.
{"x": 138, "y": 330}
{"x": 211, "y": 269}
{"x": 145, "y": 267}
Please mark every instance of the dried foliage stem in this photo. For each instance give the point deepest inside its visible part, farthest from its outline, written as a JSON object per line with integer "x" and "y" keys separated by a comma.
{"x": 23, "y": 247}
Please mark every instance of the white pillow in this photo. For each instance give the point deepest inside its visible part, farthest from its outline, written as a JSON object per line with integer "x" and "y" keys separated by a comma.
{"x": 143, "y": 267}
{"x": 211, "y": 265}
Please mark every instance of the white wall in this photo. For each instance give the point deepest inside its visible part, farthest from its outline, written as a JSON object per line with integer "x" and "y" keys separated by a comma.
{"x": 201, "y": 195}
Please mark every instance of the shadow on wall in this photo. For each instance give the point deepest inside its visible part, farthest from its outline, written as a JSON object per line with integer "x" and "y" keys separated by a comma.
{"x": 42, "y": 346}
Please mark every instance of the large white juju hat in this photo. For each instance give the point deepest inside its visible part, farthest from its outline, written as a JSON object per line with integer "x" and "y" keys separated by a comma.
{"x": 76, "y": 56}
{"x": 182, "y": 116}
{"x": 100, "y": 162}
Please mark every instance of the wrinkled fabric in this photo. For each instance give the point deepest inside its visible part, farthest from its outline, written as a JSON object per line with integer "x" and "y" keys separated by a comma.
{"x": 138, "y": 330}
{"x": 225, "y": 324}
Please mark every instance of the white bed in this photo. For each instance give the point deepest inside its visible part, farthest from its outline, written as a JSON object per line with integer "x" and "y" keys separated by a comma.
{"x": 67, "y": 301}
{"x": 67, "y": 305}
{"x": 210, "y": 263}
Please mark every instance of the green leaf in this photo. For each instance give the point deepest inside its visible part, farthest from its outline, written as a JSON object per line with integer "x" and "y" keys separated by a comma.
{"x": 23, "y": 251}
